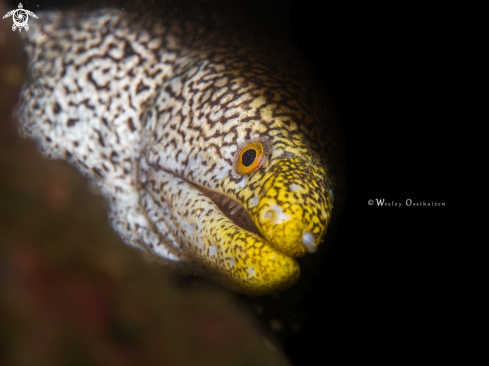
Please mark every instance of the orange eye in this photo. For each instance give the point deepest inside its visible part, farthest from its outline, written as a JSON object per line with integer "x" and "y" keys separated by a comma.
{"x": 251, "y": 155}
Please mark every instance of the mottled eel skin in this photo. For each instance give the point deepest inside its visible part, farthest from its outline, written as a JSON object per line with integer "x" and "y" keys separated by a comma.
{"x": 214, "y": 152}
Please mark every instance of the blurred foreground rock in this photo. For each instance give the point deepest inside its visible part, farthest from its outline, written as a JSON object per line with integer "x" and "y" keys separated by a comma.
{"x": 71, "y": 293}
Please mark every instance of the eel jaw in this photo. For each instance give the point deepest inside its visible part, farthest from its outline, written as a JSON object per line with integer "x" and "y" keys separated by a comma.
{"x": 289, "y": 210}
{"x": 246, "y": 250}
{"x": 211, "y": 243}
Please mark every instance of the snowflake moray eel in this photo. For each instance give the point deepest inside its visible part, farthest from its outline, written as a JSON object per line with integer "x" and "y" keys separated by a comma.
{"x": 213, "y": 150}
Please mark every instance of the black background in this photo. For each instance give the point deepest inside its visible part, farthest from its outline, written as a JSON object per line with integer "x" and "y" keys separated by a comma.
{"x": 391, "y": 71}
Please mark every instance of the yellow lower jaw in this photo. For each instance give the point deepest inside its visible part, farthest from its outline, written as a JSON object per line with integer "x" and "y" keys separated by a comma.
{"x": 258, "y": 268}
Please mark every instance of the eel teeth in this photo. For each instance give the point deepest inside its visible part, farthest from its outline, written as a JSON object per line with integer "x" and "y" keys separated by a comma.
{"x": 225, "y": 200}
{"x": 232, "y": 204}
{"x": 236, "y": 209}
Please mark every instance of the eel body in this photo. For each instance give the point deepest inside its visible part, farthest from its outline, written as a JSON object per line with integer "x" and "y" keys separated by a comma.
{"x": 214, "y": 152}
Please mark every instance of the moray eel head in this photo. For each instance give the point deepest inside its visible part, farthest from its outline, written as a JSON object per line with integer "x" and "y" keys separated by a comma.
{"x": 215, "y": 152}
{"x": 246, "y": 231}
{"x": 281, "y": 213}
{"x": 239, "y": 172}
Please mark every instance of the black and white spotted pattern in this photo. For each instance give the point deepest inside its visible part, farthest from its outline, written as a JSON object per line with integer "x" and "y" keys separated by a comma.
{"x": 153, "y": 111}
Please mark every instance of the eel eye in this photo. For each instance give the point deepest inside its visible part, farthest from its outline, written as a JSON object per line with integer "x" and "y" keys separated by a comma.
{"x": 251, "y": 155}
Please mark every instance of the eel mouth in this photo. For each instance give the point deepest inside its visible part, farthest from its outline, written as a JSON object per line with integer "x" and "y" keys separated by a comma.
{"x": 249, "y": 251}
{"x": 233, "y": 210}
{"x": 220, "y": 236}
